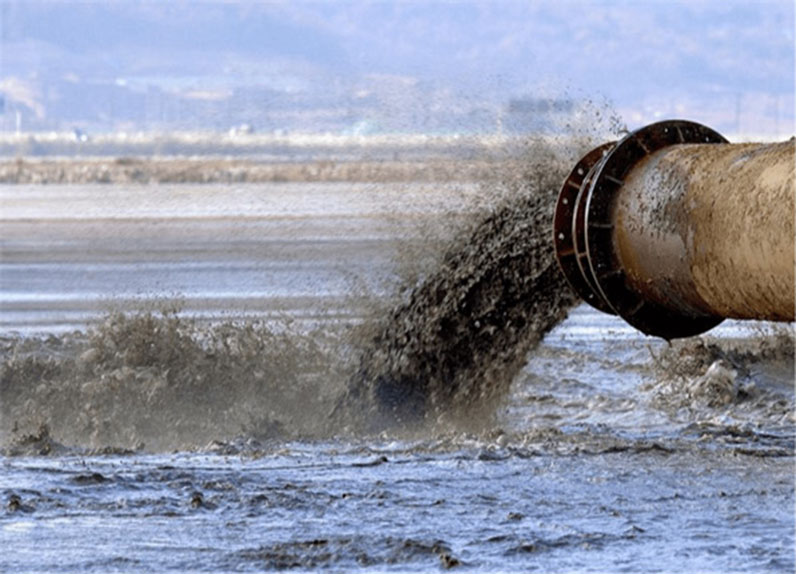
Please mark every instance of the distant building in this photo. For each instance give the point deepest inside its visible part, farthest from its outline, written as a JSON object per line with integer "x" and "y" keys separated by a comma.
{"x": 534, "y": 115}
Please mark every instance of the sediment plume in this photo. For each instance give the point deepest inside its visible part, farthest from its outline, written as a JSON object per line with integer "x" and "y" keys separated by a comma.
{"x": 449, "y": 350}
{"x": 158, "y": 381}
{"x": 443, "y": 350}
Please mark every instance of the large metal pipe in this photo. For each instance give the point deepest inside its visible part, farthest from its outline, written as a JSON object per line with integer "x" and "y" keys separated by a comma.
{"x": 674, "y": 229}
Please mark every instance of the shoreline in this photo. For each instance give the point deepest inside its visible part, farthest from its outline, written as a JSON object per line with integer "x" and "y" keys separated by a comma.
{"x": 159, "y": 170}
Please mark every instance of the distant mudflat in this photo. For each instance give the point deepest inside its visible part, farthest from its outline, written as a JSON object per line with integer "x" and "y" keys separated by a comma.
{"x": 42, "y": 158}
{"x": 127, "y": 170}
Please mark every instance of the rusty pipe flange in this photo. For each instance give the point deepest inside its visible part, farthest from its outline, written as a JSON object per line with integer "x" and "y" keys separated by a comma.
{"x": 579, "y": 236}
{"x": 604, "y": 267}
{"x": 571, "y": 253}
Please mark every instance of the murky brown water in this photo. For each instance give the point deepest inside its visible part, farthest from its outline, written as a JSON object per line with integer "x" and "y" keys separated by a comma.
{"x": 601, "y": 446}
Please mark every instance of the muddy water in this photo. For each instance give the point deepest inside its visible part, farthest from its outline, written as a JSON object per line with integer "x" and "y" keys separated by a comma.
{"x": 451, "y": 348}
{"x": 70, "y": 253}
{"x": 196, "y": 440}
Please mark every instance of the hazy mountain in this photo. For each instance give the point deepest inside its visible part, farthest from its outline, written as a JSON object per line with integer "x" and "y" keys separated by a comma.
{"x": 390, "y": 65}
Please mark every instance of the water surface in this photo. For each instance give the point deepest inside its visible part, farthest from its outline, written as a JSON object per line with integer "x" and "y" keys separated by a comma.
{"x": 612, "y": 451}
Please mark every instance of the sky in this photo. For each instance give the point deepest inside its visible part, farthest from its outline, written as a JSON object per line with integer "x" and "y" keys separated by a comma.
{"x": 729, "y": 64}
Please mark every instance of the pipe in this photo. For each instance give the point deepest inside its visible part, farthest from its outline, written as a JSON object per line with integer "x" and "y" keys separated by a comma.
{"x": 674, "y": 229}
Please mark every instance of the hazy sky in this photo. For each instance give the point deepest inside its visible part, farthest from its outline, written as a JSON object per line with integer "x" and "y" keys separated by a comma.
{"x": 720, "y": 62}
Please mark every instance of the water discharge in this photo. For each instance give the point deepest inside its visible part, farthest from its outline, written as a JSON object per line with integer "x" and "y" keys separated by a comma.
{"x": 440, "y": 413}
{"x": 449, "y": 351}
{"x": 442, "y": 350}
